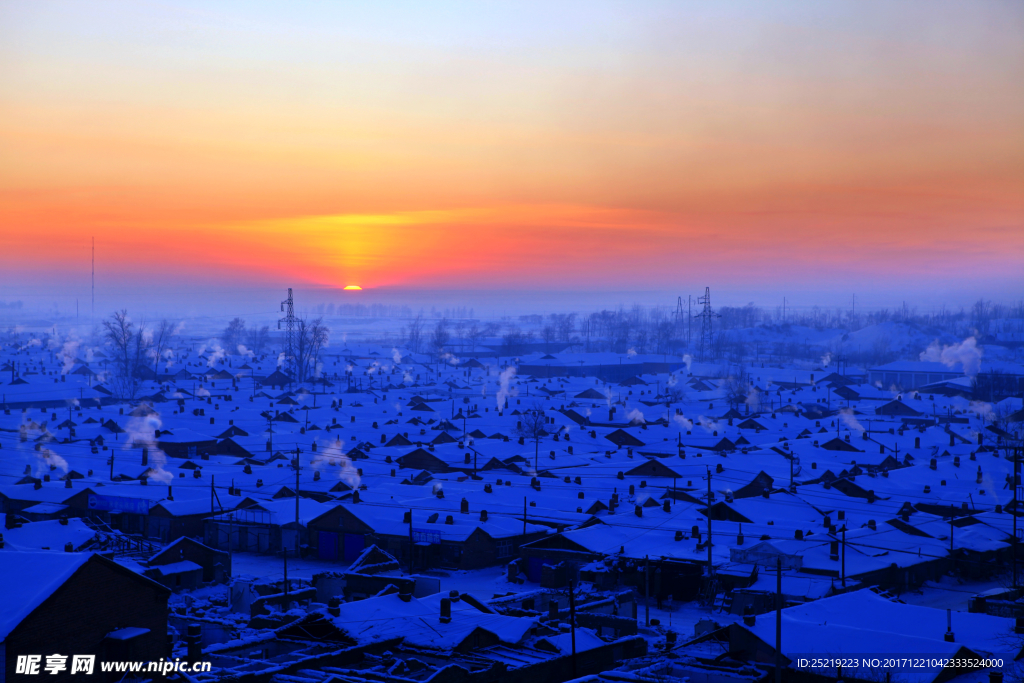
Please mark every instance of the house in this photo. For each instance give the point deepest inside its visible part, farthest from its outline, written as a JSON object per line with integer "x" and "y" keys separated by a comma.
{"x": 913, "y": 374}
{"x": 421, "y": 459}
{"x": 896, "y": 408}
{"x": 623, "y": 438}
{"x": 81, "y": 604}
{"x": 214, "y": 565}
{"x": 185, "y": 443}
{"x": 454, "y": 541}
{"x": 860, "y": 622}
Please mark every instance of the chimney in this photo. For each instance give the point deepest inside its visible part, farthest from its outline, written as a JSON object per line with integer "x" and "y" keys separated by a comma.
{"x": 553, "y": 610}
{"x": 407, "y": 517}
{"x": 833, "y": 550}
{"x": 948, "y": 636}
{"x": 798, "y": 534}
{"x": 170, "y": 493}
{"x": 449, "y": 520}
{"x": 464, "y": 506}
{"x": 334, "y": 606}
{"x": 872, "y": 525}
{"x": 917, "y": 442}
{"x": 68, "y": 547}
{"x": 145, "y": 456}
{"x": 446, "y": 610}
{"x": 679, "y": 535}
{"x": 67, "y": 483}
{"x": 483, "y": 515}
{"x": 748, "y": 616}
{"x": 195, "y": 642}
{"x": 355, "y": 496}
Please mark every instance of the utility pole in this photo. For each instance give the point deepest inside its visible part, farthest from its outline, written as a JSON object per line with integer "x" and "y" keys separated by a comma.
{"x": 524, "y": 515}
{"x": 951, "y": 512}
{"x": 231, "y": 531}
{"x": 284, "y": 553}
{"x": 1016, "y": 485}
{"x": 111, "y": 465}
{"x": 297, "y": 526}
{"x": 711, "y": 567}
{"x": 778, "y": 619}
{"x": 844, "y": 557}
{"x": 572, "y": 623}
{"x": 647, "y": 589}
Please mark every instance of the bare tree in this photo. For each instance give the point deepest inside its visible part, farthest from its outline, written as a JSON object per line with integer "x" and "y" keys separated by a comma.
{"x": 512, "y": 341}
{"x": 415, "y": 333}
{"x": 257, "y": 338}
{"x": 460, "y": 333}
{"x": 474, "y": 335}
{"x": 564, "y": 324}
{"x": 161, "y": 341}
{"x": 548, "y": 335}
{"x": 310, "y": 338}
{"x": 233, "y": 334}
{"x": 130, "y": 350}
{"x": 531, "y": 426}
{"x": 440, "y": 337}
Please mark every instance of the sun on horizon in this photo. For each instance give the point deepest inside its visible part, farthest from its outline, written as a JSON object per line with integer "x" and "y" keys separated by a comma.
{"x": 352, "y": 287}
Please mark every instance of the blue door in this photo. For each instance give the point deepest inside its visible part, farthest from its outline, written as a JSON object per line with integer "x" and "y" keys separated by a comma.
{"x": 353, "y": 546}
{"x": 327, "y": 545}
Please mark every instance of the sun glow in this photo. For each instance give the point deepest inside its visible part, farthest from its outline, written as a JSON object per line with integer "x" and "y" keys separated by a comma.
{"x": 353, "y": 287}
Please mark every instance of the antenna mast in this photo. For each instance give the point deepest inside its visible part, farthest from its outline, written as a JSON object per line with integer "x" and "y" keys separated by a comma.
{"x": 679, "y": 314}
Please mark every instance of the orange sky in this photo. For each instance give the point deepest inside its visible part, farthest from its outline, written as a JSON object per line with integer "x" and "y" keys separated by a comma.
{"x": 824, "y": 146}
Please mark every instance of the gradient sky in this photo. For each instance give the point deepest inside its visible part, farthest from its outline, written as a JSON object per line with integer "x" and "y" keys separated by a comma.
{"x": 804, "y": 146}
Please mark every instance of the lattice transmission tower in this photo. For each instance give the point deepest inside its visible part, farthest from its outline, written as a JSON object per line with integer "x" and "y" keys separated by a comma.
{"x": 707, "y": 335}
{"x": 289, "y": 320}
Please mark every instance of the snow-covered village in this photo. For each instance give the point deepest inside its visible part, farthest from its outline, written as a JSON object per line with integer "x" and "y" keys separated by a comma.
{"x": 511, "y": 342}
{"x": 551, "y": 498}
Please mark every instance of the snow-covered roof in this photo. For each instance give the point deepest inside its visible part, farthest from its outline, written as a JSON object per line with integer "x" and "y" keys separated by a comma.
{"x": 29, "y": 578}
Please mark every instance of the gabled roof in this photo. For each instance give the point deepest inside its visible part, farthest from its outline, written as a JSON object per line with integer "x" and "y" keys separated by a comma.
{"x": 28, "y": 579}
{"x": 622, "y": 438}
